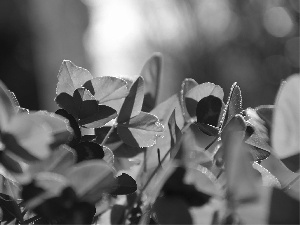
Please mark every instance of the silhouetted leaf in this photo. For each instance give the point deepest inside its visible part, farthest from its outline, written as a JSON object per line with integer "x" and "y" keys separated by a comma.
{"x": 88, "y": 150}
{"x": 141, "y": 130}
{"x": 109, "y": 91}
{"x": 151, "y": 72}
{"x": 84, "y": 107}
{"x": 91, "y": 179}
{"x": 132, "y": 104}
{"x": 125, "y": 185}
{"x": 71, "y": 77}
{"x": 10, "y": 208}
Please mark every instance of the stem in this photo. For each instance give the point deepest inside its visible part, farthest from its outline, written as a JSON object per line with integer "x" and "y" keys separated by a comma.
{"x": 209, "y": 145}
{"x": 158, "y": 157}
{"x": 139, "y": 196}
{"x": 145, "y": 161}
{"x": 108, "y": 134}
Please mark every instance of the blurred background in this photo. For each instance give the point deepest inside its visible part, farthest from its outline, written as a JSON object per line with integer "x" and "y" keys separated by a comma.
{"x": 253, "y": 42}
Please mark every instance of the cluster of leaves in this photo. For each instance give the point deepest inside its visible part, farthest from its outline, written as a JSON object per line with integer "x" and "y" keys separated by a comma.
{"x": 73, "y": 166}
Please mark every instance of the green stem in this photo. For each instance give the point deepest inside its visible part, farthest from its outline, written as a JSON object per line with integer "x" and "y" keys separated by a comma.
{"x": 108, "y": 134}
{"x": 210, "y": 144}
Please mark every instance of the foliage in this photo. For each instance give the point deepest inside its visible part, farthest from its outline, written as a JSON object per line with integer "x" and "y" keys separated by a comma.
{"x": 195, "y": 153}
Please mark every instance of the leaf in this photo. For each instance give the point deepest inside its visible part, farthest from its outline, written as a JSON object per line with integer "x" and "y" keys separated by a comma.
{"x": 59, "y": 126}
{"x": 132, "y": 104}
{"x": 85, "y": 108}
{"x": 109, "y": 91}
{"x": 265, "y": 112}
{"x": 241, "y": 180}
{"x": 186, "y": 86}
{"x": 108, "y": 156}
{"x": 141, "y": 130}
{"x": 286, "y": 131}
{"x": 261, "y": 148}
{"x": 88, "y": 151}
{"x": 125, "y": 185}
{"x": 29, "y": 137}
{"x": 172, "y": 210}
{"x": 58, "y": 162}
{"x": 71, "y": 77}
{"x": 10, "y": 208}
{"x": 233, "y": 105}
{"x": 90, "y": 179}
{"x": 151, "y": 72}
{"x": 208, "y": 113}
{"x": 8, "y": 107}
{"x": 197, "y": 93}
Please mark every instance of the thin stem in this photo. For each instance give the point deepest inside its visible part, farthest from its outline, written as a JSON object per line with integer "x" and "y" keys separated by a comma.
{"x": 145, "y": 161}
{"x": 210, "y": 144}
{"x": 108, "y": 134}
{"x": 158, "y": 157}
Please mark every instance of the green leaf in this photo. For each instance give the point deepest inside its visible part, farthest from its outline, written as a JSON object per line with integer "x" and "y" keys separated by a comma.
{"x": 125, "y": 185}
{"x": 84, "y": 107}
{"x": 197, "y": 93}
{"x": 71, "y": 77}
{"x": 90, "y": 179}
{"x": 58, "y": 162}
{"x": 109, "y": 91}
{"x": 265, "y": 112}
{"x": 233, "y": 105}
{"x": 60, "y": 128}
{"x": 151, "y": 72}
{"x": 261, "y": 149}
{"x": 285, "y": 136}
{"x": 132, "y": 104}
{"x": 241, "y": 179}
{"x": 10, "y": 208}
{"x": 186, "y": 86}
{"x": 8, "y": 108}
{"x": 29, "y": 137}
{"x": 109, "y": 156}
{"x": 141, "y": 130}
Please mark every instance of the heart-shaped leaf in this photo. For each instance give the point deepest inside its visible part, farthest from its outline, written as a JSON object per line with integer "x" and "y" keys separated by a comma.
{"x": 261, "y": 149}
{"x": 197, "y": 93}
{"x": 91, "y": 179}
{"x": 71, "y": 77}
{"x": 132, "y": 104}
{"x": 141, "y": 130}
{"x": 84, "y": 107}
{"x": 233, "y": 105}
{"x": 30, "y": 133}
{"x": 151, "y": 72}
{"x": 125, "y": 185}
{"x": 265, "y": 112}
{"x": 10, "y": 209}
{"x": 109, "y": 91}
